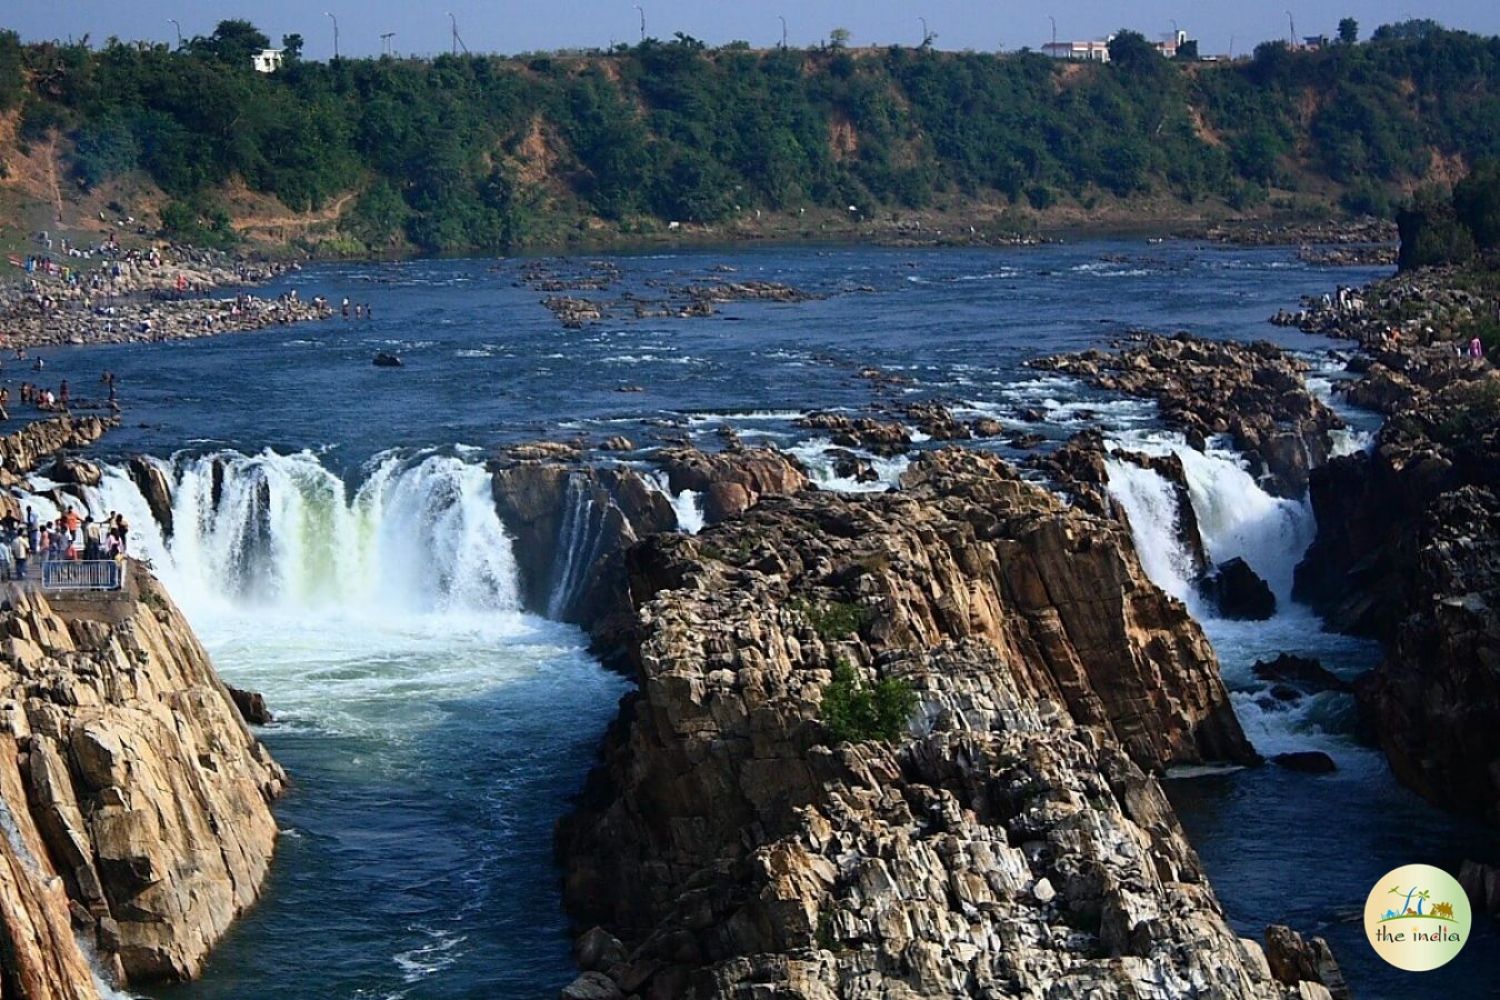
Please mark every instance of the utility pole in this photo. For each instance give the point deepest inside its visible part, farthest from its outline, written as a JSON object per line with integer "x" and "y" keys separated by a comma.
{"x": 1054, "y": 34}
{"x": 385, "y": 42}
{"x": 642, "y": 11}
{"x": 335, "y": 33}
{"x": 924, "y": 31}
{"x": 1292, "y": 23}
{"x": 458, "y": 42}
{"x": 174, "y": 23}
{"x": 783, "y": 29}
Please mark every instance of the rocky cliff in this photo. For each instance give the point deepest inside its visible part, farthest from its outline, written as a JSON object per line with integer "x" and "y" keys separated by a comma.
{"x": 1253, "y": 393}
{"x": 1011, "y": 841}
{"x": 135, "y": 800}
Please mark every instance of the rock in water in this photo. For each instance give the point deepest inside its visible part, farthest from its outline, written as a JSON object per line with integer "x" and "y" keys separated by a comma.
{"x": 387, "y": 360}
{"x": 1048, "y": 672}
{"x": 156, "y": 489}
{"x": 1238, "y": 592}
{"x": 1301, "y": 673}
{"x": 1306, "y": 761}
{"x": 252, "y": 706}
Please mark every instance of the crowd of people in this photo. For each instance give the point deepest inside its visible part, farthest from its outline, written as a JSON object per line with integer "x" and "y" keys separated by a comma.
{"x": 28, "y": 540}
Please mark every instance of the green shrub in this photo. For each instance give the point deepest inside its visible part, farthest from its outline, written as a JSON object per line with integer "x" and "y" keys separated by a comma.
{"x": 855, "y": 713}
{"x": 834, "y": 620}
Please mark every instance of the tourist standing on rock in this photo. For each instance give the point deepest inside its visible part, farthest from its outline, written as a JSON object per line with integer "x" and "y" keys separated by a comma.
{"x": 62, "y": 393}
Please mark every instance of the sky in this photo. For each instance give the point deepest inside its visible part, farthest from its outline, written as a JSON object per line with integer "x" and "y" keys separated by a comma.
{"x": 510, "y": 26}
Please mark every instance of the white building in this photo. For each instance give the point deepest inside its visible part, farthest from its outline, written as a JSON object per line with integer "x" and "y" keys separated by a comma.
{"x": 1079, "y": 51}
{"x": 266, "y": 60}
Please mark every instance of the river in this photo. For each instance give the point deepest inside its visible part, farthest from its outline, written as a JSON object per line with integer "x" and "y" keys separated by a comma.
{"x": 337, "y": 548}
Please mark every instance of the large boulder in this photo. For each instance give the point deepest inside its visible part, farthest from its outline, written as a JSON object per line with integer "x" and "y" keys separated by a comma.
{"x": 1238, "y": 592}
{"x": 155, "y": 488}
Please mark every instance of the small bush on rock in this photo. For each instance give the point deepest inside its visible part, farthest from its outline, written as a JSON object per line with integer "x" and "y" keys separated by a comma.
{"x": 856, "y": 713}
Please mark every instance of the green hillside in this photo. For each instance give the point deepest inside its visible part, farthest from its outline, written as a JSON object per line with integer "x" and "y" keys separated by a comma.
{"x": 489, "y": 153}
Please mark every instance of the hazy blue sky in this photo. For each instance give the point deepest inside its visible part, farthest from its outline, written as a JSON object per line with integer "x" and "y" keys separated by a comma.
{"x": 525, "y": 25}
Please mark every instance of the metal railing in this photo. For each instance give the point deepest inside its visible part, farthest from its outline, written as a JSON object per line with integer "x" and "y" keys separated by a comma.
{"x": 82, "y": 574}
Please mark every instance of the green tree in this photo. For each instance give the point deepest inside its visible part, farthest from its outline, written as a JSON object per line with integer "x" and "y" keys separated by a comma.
{"x": 1348, "y": 30}
{"x": 839, "y": 38}
{"x": 853, "y": 712}
{"x": 1476, "y": 204}
{"x": 291, "y": 47}
{"x": 233, "y": 42}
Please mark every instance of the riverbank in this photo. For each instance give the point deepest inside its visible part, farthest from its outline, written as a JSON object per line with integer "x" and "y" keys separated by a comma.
{"x": 105, "y": 295}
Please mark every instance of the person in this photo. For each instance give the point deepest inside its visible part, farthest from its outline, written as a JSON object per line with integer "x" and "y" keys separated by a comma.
{"x": 20, "y": 551}
{"x": 90, "y": 538}
{"x": 62, "y": 393}
{"x": 1476, "y": 349}
{"x": 123, "y": 526}
{"x": 33, "y": 528}
{"x": 71, "y": 520}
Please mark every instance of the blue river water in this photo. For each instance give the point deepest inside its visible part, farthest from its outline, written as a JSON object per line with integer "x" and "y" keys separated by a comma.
{"x": 435, "y": 732}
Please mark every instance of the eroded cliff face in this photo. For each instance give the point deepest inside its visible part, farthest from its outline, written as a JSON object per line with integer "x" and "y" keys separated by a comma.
{"x": 1408, "y": 551}
{"x": 140, "y": 798}
{"x": 1013, "y": 842}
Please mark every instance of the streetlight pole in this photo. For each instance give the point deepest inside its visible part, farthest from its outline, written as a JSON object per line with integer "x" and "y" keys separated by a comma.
{"x": 174, "y": 24}
{"x": 335, "y": 33}
{"x": 924, "y": 31}
{"x": 1292, "y": 24}
{"x": 783, "y": 29}
{"x": 1054, "y": 34}
{"x": 642, "y": 11}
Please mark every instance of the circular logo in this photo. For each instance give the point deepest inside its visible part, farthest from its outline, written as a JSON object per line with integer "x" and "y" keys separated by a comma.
{"x": 1417, "y": 918}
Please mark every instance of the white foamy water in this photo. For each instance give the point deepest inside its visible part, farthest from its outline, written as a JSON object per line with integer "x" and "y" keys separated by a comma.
{"x": 1236, "y": 518}
{"x": 814, "y": 456}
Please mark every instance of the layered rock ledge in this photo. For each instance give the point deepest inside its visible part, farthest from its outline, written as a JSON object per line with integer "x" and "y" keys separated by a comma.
{"x": 1254, "y": 393}
{"x": 137, "y": 803}
{"x": 1011, "y": 841}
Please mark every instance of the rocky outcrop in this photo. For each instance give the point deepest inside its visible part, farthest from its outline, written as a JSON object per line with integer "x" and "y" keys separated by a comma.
{"x": 731, "y": 481}
{"x": 25, "y": 450}
{"x": 571, "y": 525}
{"x": 1011, "y": 841}
{"x": 882, "y": 437}
{"x": 1254, "y": 393}
{"x": 1408, "y": 551}
{"x": 157, "y": 490}
{"x": 137, "y": 791}
{"x": 1238, "y": 592}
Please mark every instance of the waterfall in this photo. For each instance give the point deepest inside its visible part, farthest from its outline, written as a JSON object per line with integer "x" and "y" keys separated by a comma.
{"x": 1236, "y": 518}
{"x": 418, "y": 534}
{"x": 687, "y": 506}
{"x": 580, "y": 538}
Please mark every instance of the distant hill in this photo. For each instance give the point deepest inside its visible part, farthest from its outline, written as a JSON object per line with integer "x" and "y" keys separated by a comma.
{"x": 487, "y": 153}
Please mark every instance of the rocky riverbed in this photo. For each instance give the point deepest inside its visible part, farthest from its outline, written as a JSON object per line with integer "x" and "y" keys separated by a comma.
{"x": 165, "y": 295}
{"x": 1011, "y": 839}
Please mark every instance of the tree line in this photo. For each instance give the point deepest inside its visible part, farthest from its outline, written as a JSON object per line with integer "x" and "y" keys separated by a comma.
{"x": 474, "y": 152}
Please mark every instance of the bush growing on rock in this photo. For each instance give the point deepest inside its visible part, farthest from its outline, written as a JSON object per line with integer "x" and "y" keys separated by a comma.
{"x": 835, "y": 620}
{"x": 855, "y": 713}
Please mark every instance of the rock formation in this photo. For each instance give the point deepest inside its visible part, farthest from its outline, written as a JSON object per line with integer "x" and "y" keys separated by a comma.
{"x": 140, "y": 800}
{"x": 1254, "y": 393}
{"x": 1408, "y": 551}
{"x": 1011, "y": 842}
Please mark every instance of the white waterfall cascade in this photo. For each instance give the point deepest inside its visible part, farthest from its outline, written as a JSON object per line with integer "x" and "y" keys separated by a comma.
{"x": 1238, "y": 518}
{"x": 419, "y": 534}
{"x": 580, "y": 537}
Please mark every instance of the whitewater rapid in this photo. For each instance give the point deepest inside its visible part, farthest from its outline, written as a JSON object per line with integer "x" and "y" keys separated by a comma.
{"x": 1238, "y": 519}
